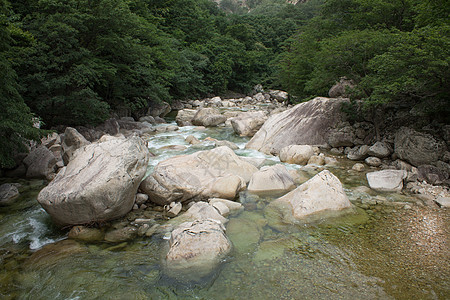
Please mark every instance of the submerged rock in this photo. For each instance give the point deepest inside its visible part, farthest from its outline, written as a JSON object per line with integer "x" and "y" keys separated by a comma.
{"x": 99, "y": 183}
{"x": 212, "y": 173}
{"x": 387, "y": 180}
{"x": 86, "y": 234}
{"x": 196, "y": 249}
{"x": 305, "y": 124}
{"x": 8, "y": 192}
{"x": 323, "y": 192}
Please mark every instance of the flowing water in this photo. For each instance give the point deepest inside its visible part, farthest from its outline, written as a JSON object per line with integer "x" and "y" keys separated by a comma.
{"x": 394, "y": 250}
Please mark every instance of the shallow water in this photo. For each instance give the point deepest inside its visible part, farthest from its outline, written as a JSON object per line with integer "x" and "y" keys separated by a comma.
{"x": 379, "y": 251}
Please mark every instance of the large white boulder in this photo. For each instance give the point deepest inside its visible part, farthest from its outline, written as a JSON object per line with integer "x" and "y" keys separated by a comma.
{"x": 271, "y": 179}
{"x": 248, "y": 123}
{"x": 387, "y": 180}
{"x": 99, "y": 183}
{"x": 305, "y": 124}
{"x": 296, "y": 154}
{"x": 323, "y": 192}
{"x": 196, "y": 249}
{"x": 205, "y": 174}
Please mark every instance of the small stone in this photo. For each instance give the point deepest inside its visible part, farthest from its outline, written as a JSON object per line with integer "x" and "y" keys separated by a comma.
{"x": 8, "y": 192}
{"x": 152, "y": 230}
{"x": 175, "y": 209}
{"x": 373, "y": 161}
{"x": 358, "y": 167}
{"x": 443, "y": 201}
{"x": 143, "y": 229}
{"x": 221, "y": 208}
{"x": 141, "y": 198}
{"x": 143, "y": 207}
{"x": 121, "y": 235}
{"x": 135, "y": 207}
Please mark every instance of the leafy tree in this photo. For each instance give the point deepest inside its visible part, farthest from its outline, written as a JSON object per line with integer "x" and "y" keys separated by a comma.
{"x": 16, "y": 120}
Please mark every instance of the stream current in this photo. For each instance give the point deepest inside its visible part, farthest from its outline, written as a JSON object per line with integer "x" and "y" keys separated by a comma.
{"x": 397, "y": 249}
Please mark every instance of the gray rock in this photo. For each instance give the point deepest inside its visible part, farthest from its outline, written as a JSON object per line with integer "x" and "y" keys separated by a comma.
{"x": 341, "y": 137}
{"x": 160, "y": 109}
{"x": 358, "y": 153}
{"x": 358, "y": 167}
{"x": 271, "y": 179}
{"x": 86, "y": 234}
{"x": 386, "y": 180}
{"x": 278, "y": 95}
{"x": 306, "y": 123}
{"x": 417, "y": 148}
{"x": 380, "y": 150}
{"x": 40, "y": 163}
{"x": 149, "y": 119}
{"x": 323, "y": 192}
{"x": 340, "y": 88}
{"x": 99, "y": 183}
{"x": 196, "y": 249}
{"x": 72, "y": 141}
{"x": 373, "y": 161}
{"x": 8, "y": 192}
{"x": 432, "y": 174}
{"x": 121, "y": 235}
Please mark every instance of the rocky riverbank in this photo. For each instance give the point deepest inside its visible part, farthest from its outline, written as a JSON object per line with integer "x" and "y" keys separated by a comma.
{"x": 107, "y": 186}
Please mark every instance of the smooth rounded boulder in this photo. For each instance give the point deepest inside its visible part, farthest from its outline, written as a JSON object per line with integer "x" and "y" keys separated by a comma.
{"x": 386, "y": 180}
{"x": 205, "y": 174}
{"x": 196, "y": 249}
{"x": 274, "y": 179}
{"x": 323, "y": 192}
{"x": 296, "y": 154}
{"x": 99, "y": 183}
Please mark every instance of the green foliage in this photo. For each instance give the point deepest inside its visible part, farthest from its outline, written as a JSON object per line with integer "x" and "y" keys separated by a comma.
{"x": 16, "y": 120}
{"x": 396, "y": 51}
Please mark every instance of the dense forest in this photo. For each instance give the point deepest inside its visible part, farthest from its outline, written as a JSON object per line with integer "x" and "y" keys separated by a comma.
{"x": 73, "y": 62}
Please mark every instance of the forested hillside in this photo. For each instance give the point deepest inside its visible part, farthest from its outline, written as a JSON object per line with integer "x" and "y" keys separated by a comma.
{"x": 73, "y": 62}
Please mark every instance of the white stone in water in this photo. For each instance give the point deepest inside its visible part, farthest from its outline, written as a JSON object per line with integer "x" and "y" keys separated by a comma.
{"x": 323, "y": 192}
{"x": 386, "y": 180}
